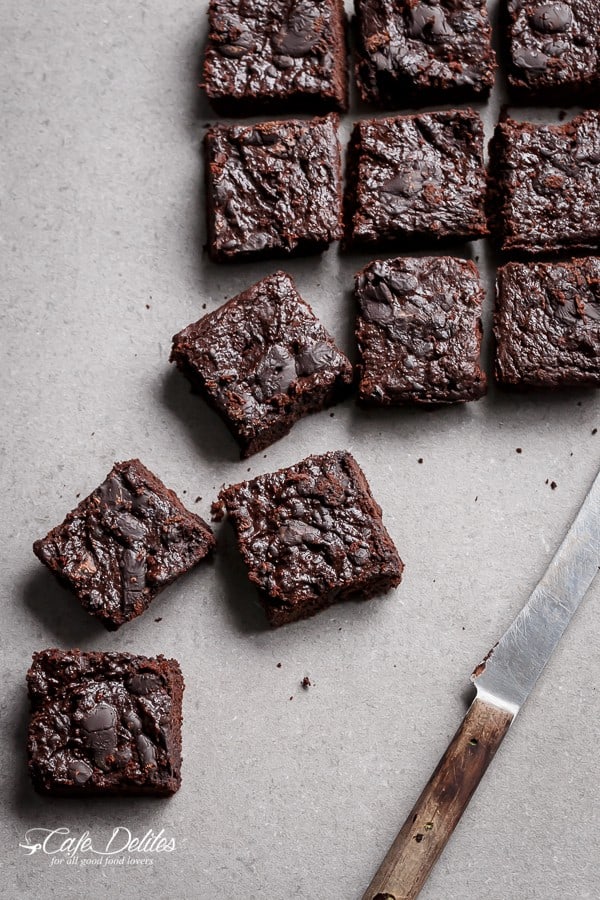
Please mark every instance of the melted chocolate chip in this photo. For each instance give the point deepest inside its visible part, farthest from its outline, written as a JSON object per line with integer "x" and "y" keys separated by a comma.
{"x": 531, "y": 59}
{"x": 147, "y": 750}
{"x": 277, "y": 371}
{"x": 428, "y": 22}
{"x": 79, "y": 771}
{"x": 551, "y": 17}
{"x": 316, "y": 357}
{"x": 144, "y": 684}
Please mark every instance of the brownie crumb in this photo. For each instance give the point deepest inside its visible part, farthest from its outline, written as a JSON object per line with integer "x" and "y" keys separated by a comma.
{"x": 204, "y": 306}
{"x": 306, "y": 682}
{"x": 198, "y": 499}
{"x": 594, "y": 431}
{"x": 147, "y": 306}
{"x": 518, "y": 450}
{"x": 158, "y": 619}
{"x": 291, "y": 698}
{"x": 553, "y": 485}
{"x": 476, "y": 498}
{"x": 420, "y": 460}
{"x": 278, "y": 665}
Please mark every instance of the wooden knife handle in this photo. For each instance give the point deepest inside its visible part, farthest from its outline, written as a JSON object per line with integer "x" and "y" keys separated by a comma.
{"x": 435, "y": 815}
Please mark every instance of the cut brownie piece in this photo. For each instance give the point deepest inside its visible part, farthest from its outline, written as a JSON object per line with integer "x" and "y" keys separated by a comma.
{"x": 547, "y": 324}
{"x": 104, "y": 723}
{"x": 124, "y": 543}
{"x": 554, "y": 49}
{"x": 419, "y": 331}
{"x": 412, "y": 52}
{"x": 311, "y": 535}
{"x": 262, "y": 361}
{"x": 273, "y": 189}
{"x": 545, "y": 185}
{"x": 417, "y": 179}
{"x": 276, "y": 57}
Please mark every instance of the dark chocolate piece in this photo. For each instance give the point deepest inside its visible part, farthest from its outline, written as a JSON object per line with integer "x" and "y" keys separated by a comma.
{"x": 420, "y": 53}
{"x": 276, "y": 57}
{"x": 104, "y": 723}
{"x": 311, "y": 535}
{"x": 419, "y": 331}
{"x": 124, "y": 543}
{"x": 554, "y": 49}
{"x": 416, "y": 179}
{"x": 545, "y": 185}
{"x": 547, "y": 324}
{"x": 262, "y": 361}
{"x": 273, "y": 189}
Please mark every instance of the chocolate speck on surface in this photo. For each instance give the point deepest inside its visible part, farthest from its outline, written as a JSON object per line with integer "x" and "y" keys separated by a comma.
{"x": 158, "y": 619}
{"x": 278, "y": 665}
{"x": 306, "y": 682}
{"x": 594, "y": 431}
{"x": 420, "y": 460}
{"x": 518, "y": 450}
{"x": 553, "y": 485}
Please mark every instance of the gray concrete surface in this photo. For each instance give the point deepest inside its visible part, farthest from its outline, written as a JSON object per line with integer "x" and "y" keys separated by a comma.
{"x": 101, "y": 245}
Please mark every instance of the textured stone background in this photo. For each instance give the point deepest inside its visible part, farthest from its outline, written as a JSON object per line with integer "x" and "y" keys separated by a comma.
{"x": 101, "y": 218}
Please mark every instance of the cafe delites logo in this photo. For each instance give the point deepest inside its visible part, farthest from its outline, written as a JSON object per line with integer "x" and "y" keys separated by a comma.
{"x": 122, "y": 847}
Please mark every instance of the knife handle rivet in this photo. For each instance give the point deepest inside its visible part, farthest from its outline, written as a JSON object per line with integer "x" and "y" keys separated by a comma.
{"x": 428, "y": 826}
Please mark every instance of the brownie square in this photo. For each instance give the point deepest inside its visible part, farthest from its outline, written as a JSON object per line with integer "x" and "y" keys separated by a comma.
{"x": 419, "y": 53}
{"x": 554, "y": 49}
{"x": 262, "y": 361}
{"x": 311, "y": 535}
{"x": 416, "y": 180}
{"x": 124, "y": 543}
{"x": 278, "y": 57}
{"x": 547, "y": 324}
{"x": 545, "y": 185}
{"x": 419, "y": 332}
{"x": 104, "y": 723}
{"x": 273, "y": 189}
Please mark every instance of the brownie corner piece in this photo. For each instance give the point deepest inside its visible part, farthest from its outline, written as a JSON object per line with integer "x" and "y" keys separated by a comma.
{"x": 423, "y": 52}
{"x": 417, "y": 179}
{"x": 104, "y": 723}
{"x": 547, "y": 324}
{"x": 554, "y": 50}
{"x": 311, "y": 535}
{"x": 419, "y": 332}
{"x": 277, "y": 57}
{"x": 124, "y": 543}
{"x": 262, "y": 361}
{"x": 273, "y": 189}
{"x": 544, "y": 191}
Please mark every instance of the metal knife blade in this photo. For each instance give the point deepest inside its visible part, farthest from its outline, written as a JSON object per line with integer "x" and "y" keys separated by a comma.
{"x": 503, "y": 681}
{"x": 508, "y": 673}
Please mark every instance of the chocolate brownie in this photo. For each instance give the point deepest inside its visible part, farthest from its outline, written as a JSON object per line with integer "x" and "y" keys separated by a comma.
{"x": 311, "y": 535}
{"x": 273, "y": 189}
{"x": 124, "y": 543}
{"x": 554, "y": 49}
{"x": 104, "y": 723}
{"x": 419, "y": 331}
{"x": 547, "y": 324}
{"x": 545, "y": 185}
{"x": 419, "y": 53}
{"x": 416, "y": 179}
{"x": 262, "y": 361}
{"x": 279, "y": 56}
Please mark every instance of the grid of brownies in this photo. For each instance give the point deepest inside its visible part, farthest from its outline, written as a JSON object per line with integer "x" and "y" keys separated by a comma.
{"x": 312, "y": 534}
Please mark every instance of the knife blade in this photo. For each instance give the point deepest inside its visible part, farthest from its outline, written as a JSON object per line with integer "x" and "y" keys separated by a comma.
{"x": 503, "y": 681}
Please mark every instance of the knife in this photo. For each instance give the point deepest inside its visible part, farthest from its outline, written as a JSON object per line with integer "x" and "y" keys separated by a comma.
{"x": 503, "y": 681}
